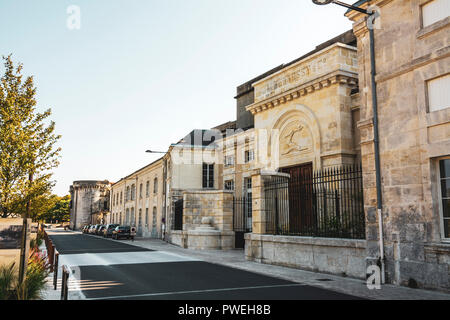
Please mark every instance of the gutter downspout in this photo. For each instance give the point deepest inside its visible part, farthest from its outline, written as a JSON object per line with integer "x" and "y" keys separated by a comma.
{"x": 377, "y": 151}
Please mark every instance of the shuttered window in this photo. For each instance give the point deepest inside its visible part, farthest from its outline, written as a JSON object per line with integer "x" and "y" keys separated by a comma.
{"x": 435, "y": 11}
{"x": 439, "y": 93}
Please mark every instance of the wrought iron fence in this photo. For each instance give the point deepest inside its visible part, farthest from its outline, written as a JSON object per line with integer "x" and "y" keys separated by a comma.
{"x": 242, "y": 218}
{"x": 242, "y": 213}
{"x": 325, "y": 203}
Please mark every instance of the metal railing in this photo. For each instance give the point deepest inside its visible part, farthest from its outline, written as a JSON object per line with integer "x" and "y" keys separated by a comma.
{"x": 242, "y": 213}
{"x": 52, "y": 257}
{"x": 65, "y": 282}
{"x": 326, "y": 203}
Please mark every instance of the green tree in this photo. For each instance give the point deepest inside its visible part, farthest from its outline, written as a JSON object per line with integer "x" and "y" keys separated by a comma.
{"x": 27, "y": 143}
{"x": 60, "y": 210}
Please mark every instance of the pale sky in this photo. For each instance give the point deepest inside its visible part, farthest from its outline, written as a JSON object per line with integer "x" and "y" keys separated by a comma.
{"x": 141, "y": 74}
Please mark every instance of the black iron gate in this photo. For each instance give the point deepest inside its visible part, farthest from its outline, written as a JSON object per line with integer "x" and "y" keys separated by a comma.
{"x": 324, "y": 203}
{"x": 178, "y": 217}
{"x": 242, "y": 219}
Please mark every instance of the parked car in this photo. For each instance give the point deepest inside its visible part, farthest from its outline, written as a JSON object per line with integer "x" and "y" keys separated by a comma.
{"x": 92, "y": 229}
{"x": 98, "y": 230}
{"x": 122, "y": 232}
{"x": 107, "y": 232}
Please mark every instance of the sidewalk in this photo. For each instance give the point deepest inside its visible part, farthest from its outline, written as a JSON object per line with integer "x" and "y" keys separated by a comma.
{"x": 356, "y": 287}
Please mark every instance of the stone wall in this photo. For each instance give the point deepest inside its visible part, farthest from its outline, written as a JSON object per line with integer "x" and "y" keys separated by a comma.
{"x": 207, "y": 220}
{"x": 336, "y": 256}
{"x": 412, "y": 139}
{"x": 88, "y": 199}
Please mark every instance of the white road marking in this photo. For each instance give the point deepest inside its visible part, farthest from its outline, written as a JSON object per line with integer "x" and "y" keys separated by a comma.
{"x": 197, "y": 291}
{"x": 107, "y": 259}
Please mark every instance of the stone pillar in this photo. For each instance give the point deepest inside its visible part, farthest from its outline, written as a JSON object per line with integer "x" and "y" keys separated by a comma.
{"x": 258, "y": 213}
{"x": 259, "y": 218}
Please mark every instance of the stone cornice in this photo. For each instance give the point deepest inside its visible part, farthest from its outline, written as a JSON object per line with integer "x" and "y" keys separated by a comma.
{"x": 337, "y": 77}
{"x": 355, "y": 15}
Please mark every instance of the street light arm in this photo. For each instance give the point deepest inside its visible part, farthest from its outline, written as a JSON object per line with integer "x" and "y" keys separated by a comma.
{"x": 342, "y": 4}
{"x": 349, "y": 6}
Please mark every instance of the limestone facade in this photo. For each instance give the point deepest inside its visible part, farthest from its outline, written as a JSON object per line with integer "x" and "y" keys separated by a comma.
{"x": 89, "y": 203}
{"x": 410, "y": 52}
{"x": 138, "y": 200}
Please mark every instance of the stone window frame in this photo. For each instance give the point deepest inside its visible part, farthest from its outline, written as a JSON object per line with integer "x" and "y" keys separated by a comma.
{"x": 210, "y": 180}
{"x": 231, "y": 183}
{"x": 439, "y": 196}
{"x": 229, "y": 160}
{"x": 155, "y": 185}
{"x": 247, "y": 154}
{"x": 438, "y": 25}
{"x": 427, "y": 95}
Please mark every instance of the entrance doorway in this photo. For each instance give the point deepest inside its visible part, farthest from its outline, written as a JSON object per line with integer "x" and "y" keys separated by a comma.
{"x": 301, "y": 217}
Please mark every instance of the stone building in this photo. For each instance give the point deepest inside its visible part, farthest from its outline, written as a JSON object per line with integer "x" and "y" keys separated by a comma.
{"x": 412, "y": 56}
{"x": 138, "y": 200}
{"x": 89, "y": 203}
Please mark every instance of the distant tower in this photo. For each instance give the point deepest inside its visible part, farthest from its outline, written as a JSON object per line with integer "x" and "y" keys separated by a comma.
{"x": 89, "y": 203}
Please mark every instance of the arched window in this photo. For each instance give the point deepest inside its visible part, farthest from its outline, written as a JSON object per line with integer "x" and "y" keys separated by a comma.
{"x": 147, "y": 189}
{"x": 133, "y": 191}
{"x": 155, "y": 186}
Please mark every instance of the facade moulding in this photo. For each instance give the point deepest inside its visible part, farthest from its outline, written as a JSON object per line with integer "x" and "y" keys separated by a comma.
{"x": 342, "y": 77}
{"x": 414, "y": 64}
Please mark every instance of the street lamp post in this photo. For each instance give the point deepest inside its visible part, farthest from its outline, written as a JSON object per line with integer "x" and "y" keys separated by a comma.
{"x": 375, "y": 122}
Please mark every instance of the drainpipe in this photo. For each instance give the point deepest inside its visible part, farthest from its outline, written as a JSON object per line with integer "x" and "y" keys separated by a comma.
{"x": 377, "y": 151}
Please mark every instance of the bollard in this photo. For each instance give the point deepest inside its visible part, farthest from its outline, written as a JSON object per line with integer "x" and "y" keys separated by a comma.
{"x": 55, "y": 270}
{"x": 65, "y": 282}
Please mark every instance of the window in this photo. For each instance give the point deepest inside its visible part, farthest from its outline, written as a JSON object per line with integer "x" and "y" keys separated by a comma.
{"x": 229, "y": 161}
{"x": 249, "y": 156}
{"x": 247, "y": 185}
{"x": 154, "y": 219}
{"x": 121, "y": 197}
{"x": 133, "y": 218}
{"x": 146, "y": 216}
{"x": 127, "y": 194}
{"x": 133, "y": 192}
{"x": 155, "y": 186}
{"x": 438, "y": 93}
{"x": 444, "y": 168}
{"x": 140, "y": 219}
{"x": 127, "y": 216}
{"x": 208, "y": 176}
{"x": 140, "y": 191}
{"x": 147, "y": 189}
{"x": 229, "y": 185}
{"x": 435, "y": 11}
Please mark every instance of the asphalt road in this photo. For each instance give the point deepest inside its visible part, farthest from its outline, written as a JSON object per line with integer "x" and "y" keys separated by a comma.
{"x": 106, "y": 269}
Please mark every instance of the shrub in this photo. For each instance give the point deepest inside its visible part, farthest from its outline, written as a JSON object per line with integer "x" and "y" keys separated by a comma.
{"x": 8, "y": 277}
{"x": 30, "y": 289}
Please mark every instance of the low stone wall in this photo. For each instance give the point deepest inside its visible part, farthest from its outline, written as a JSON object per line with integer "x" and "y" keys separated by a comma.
{"x": 207, "y": 221}
{"x": 178, "y": 238}
{"x": 217, "y": 204}
{"x": 335, "y": 256}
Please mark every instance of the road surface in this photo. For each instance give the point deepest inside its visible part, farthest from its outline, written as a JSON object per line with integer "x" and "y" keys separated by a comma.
{"x": 107, "y": 269}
